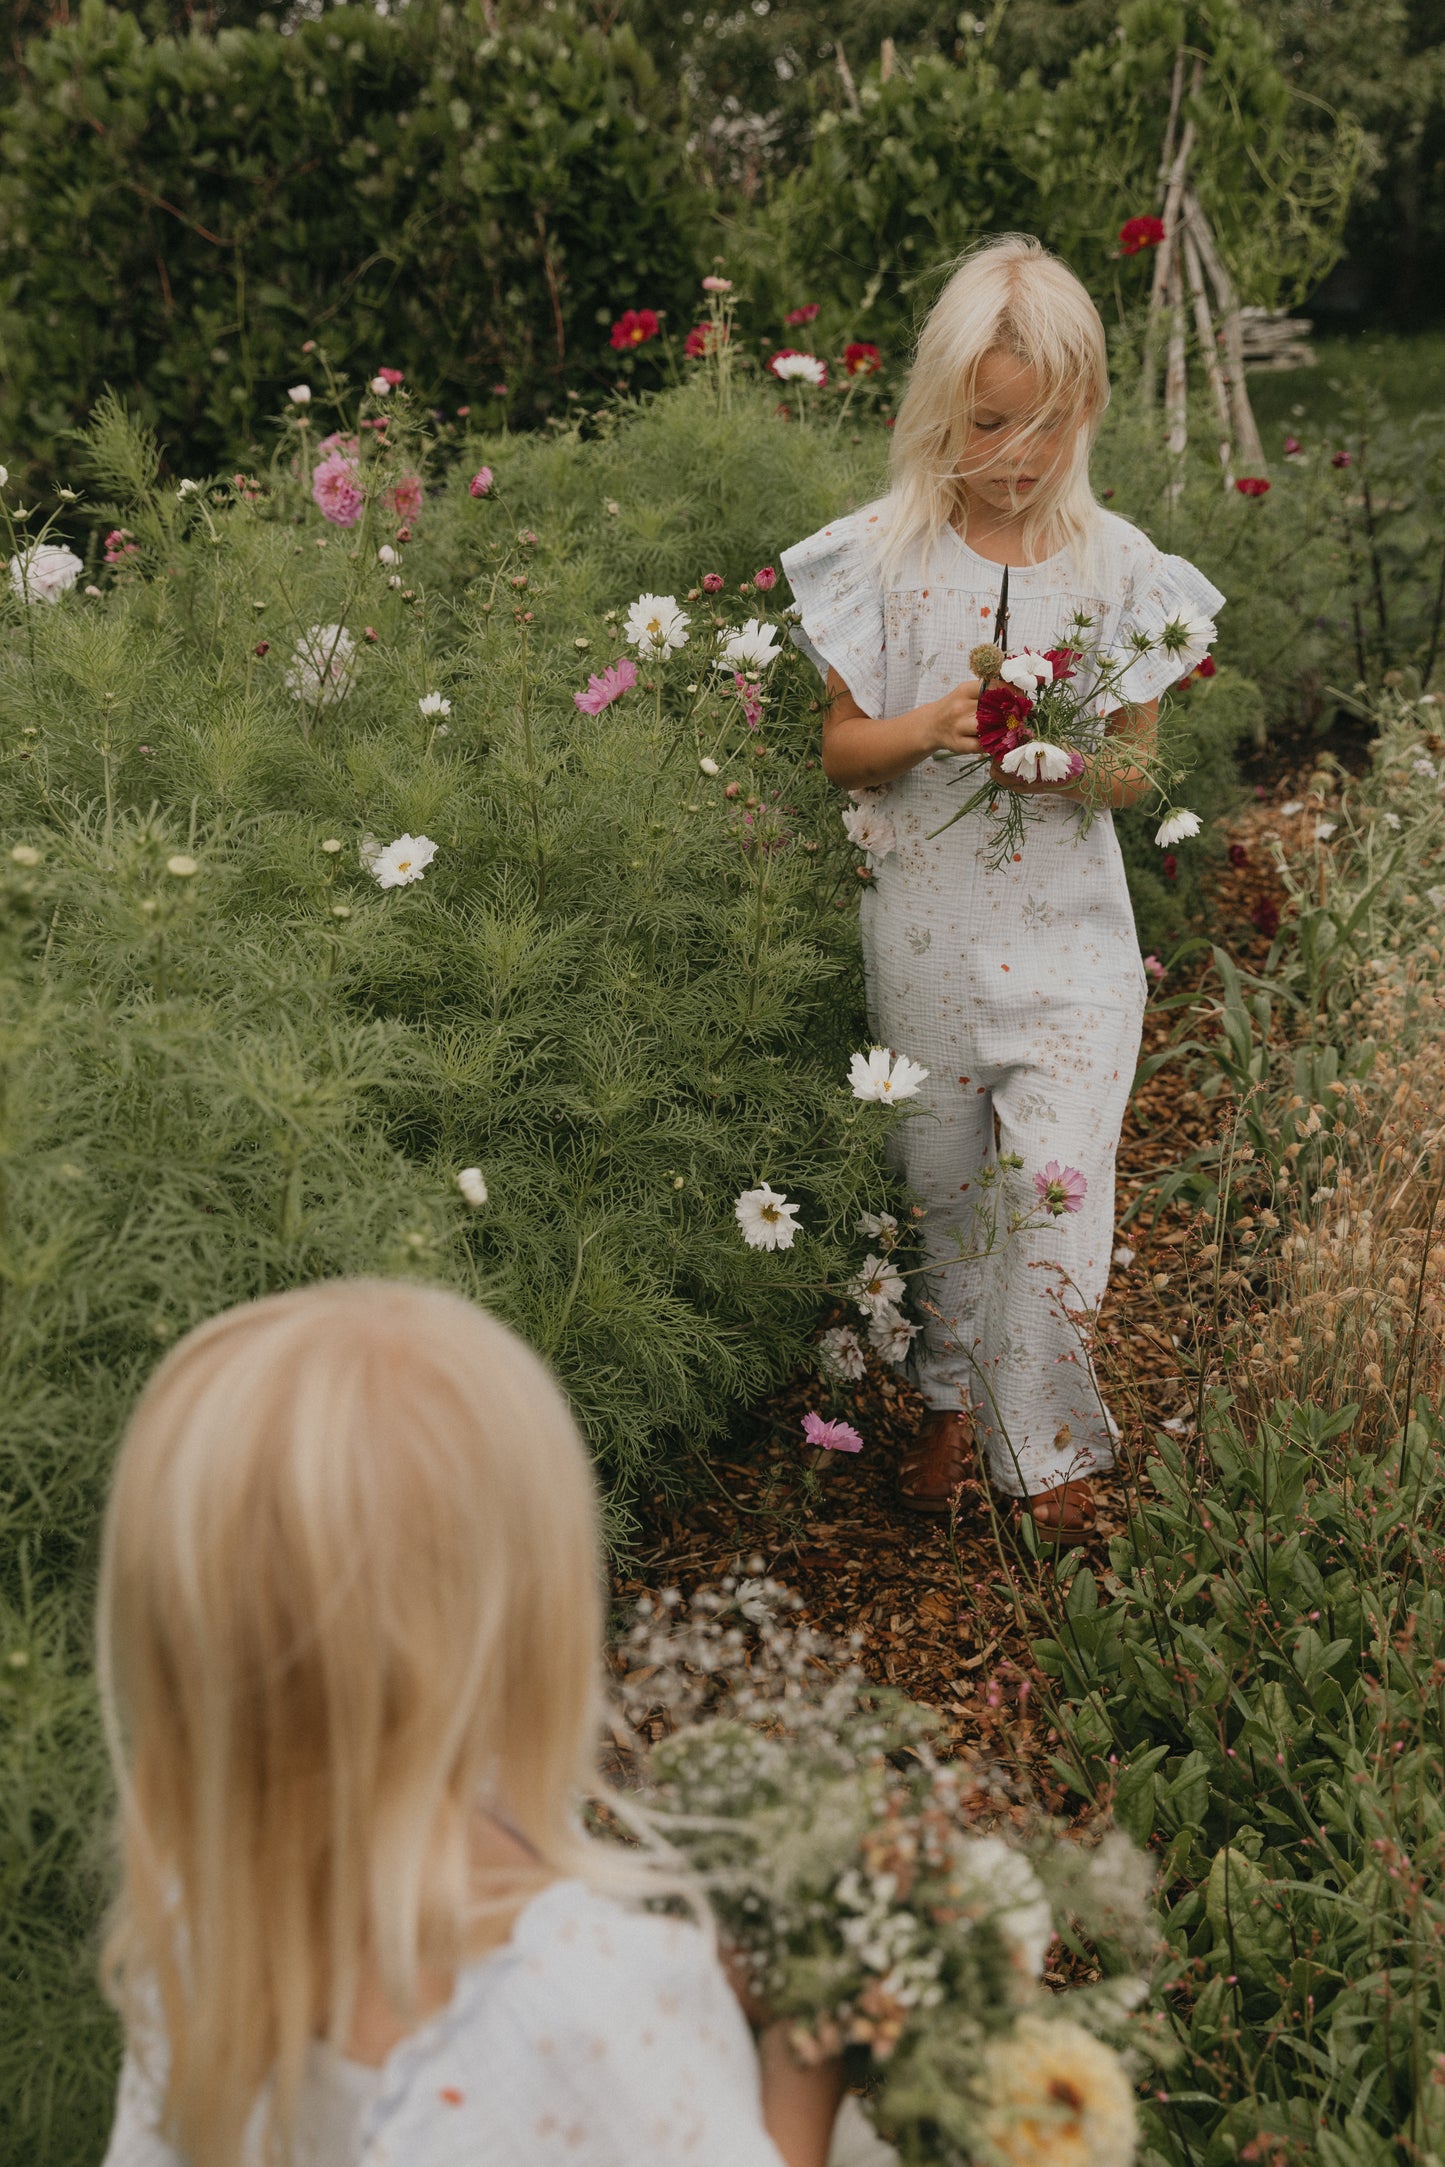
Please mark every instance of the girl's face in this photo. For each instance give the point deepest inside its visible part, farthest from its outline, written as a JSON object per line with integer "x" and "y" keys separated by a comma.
{"x": 1012, "y": 444}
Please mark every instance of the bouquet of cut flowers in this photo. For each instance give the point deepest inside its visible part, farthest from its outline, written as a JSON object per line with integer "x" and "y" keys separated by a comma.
{"x": 1041, "y": 717}
{"x": 862, "y": 1903}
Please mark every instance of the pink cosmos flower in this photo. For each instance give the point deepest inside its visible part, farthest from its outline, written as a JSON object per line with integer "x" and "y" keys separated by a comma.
{"x": 1340, "y": 459}
{"x": 713, "y": 284}
{"x": 406, "y": 498}
{"x": 832, "y": 1436}
{"x": 480, "y": 482}
{"x": 606, "y": 686}
{"x": 803, "y": 315}
{"x": 1155, "y": 968}
{"x": 391, "y": 376}
{"x": 339, "y": 441}
{"x": 765, "y": 578}
{"x": 712, "y": 583}
{"x": 1060, "y": 1188}
{"x": 1252, "y": 485}
{"x": 1292, "y": 444}
{"x": 336, "y": 487}
{"x": 748, "y": 694}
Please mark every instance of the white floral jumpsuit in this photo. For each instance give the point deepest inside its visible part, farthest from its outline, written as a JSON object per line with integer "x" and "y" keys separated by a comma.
{"x": 1021, "y": 991}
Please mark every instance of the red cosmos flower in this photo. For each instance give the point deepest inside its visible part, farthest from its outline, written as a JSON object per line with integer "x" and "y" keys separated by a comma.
{"x": 1003, "y": 713}
{"x": 1063, "y": 660}
{"x": 391, "y": 376}
{"x": 1137, "y": 233}
{"x": 1200, "y": 669}
{"x": 861, "y": 359}
{"x": 1238, "y": 854}
{"x": 1265, "y": 917}
{"x": 1341, "y": 459}
{"x": 634, "y": 327}
{"x": 803, "y": 315}
{"x": 1252, "y": 485}
{"x": 695, "y": 345}
{"x": 1170, "y": 866}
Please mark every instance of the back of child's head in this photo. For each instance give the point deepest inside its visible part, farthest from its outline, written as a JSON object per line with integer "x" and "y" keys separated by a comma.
{"x": 1006, "y": 296}
{"x": 350, "y": 1587}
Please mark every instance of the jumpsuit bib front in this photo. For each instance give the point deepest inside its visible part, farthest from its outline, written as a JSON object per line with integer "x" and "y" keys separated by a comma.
{"x": 1020, "y": 990}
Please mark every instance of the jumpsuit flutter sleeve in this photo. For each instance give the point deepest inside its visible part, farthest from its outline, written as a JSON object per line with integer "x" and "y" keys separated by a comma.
{"x": 838, "y": 587}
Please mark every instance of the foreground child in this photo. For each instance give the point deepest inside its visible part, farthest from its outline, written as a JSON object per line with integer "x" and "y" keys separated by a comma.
{"x": 350, "y": 1629}
{"x": 1020, "y": 990}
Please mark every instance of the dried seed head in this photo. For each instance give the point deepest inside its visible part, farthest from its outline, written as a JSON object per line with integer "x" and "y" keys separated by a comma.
{"x": 986, "y": 661}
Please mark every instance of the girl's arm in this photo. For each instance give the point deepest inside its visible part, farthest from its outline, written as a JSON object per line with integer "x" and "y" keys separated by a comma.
{"x": 799, "y": 2103}
{"x": 859, "y": 751}
{"x": 1136, "y": 727}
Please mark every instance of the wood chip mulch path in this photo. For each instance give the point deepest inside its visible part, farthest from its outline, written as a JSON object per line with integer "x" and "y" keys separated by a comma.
{"x": 948, "y": 1619}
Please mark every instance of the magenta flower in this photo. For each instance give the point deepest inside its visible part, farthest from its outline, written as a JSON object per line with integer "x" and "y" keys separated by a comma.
{"x": 765, "y": 578}
{"x": 391, "y": 376}
{"x": 406, "y": 498}
{"x": 748, "y": 694}
{"x": 1060, "y": 1188}
{"x": 339, "y": 441}
{"x": 832, "y": 1436}
{"x": 336, "y": 487}
{"x": 805, "y": 315}
{"x": 480, "y": 482}
{"x": 712, "y": 582}
{"x": 1154, "y": 967}
{"x": 606, "y": 686}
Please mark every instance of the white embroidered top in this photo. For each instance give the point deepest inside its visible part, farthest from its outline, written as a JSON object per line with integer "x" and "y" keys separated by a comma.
{"x": 598, "y": 2036}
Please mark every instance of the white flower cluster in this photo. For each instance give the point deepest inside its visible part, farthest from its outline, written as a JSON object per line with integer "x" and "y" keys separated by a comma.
{"x": 323, "y": 666}
{"x": 44, "y": 572}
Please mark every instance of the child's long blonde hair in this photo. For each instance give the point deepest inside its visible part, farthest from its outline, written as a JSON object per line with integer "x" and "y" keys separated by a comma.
{"x": 350, "y": 1587}
{"x": 1011, "y": 296}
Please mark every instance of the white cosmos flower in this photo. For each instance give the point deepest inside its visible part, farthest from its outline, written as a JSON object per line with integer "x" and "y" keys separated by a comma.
{"x": 1324, "y": 829}
{"x": 1435, "y": 897}
{"x": 1189, "y": 634}
{"x": 767, "y": 1219}
{"x": 323, "y": 664}
{"x": 841, "y": 1353}
{"x": 387, "y": 555}
{"x": 379, "y": 388}
{"x": 44, "y": 572}
{"x": 892, "y": 1336}
{"x": 1295, "y": 805}
{"x": 1000, "y": 1880}
{"x": 879, "y": 1226}
{"x": 1026, "y": 670}
{"x": 877, "y": 1287}
{"x": 655, "y": 625}
{"x": 1176, "y": 828}
{"x": 1123, "y": 1256}
{"x": 877, "y": 1075}
{"x": 1038, "y": 762}
{"x": 398, "y": 864}
{"x": 186, "y": 489}
{"x": 300, "y": 394}
{"x": 803, "y": 368}
{"x": 433, "y": 703}
{"x": 708, "y": 765}
{"x": 472, "y": 1186}
{"x": 870, "y": 830}
{"x": 753, "y": 647}
{"x": 4, "y": 476}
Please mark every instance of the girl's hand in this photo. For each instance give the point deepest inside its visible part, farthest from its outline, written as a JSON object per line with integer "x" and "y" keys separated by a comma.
{"x": 956, "y": 719}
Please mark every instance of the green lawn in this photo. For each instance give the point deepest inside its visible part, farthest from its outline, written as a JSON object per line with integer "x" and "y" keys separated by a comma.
{"x": 1407, "y": 373}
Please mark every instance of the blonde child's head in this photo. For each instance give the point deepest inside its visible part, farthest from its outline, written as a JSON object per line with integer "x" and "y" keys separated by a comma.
{"x": 350, "y": 1590}
{"x": 1007, "y": 389}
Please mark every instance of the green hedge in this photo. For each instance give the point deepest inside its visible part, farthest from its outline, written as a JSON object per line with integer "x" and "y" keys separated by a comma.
{"x": 179, "y": 215}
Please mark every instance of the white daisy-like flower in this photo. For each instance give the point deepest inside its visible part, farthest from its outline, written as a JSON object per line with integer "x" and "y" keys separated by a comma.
{"x": 1124, "y": 1256}
{"x": 1422, "y": 766}
{"x": 752, "y": 647}
{"x": 892, "y": 1336}
{"x": 323, "y": 665}
{"x": 1324, "y": 829}
{"x": 1391, "y": 820}
{"x": 799, "y": 368}
{"x": 4, "y": 476}
{"x": 1189, "y": 634}
{"x": 1295, "y": 805}
{"x": 766, "y": 1218}
{"x": 877, "y": 1286}
{"x": 472, "y": 1186}
{"x": 387, "y": 555}
{"x": 44, "y": 572}
{"x": 1026, "y": 670}
{"x": 398, "y": 864}
{"x": 186, "y": 489}
{"x": 708, "y": 765}
{"x": 876, "y": 1074}
{"x": 1038, "y": 762}
{"x": 655, "y": 625}
{"x": 1177, "y": 828}
{"x": 1435, "y": 897}
{"x": 300, "y": 394}
{"x": 380, "y": 388}
{"x": 879, "y": 1226}
{"x": 869, "y": 829}
{"x": 841, "y": 1353}
{"x": 991, "y": 1874}
{"x": 433, "y": 703}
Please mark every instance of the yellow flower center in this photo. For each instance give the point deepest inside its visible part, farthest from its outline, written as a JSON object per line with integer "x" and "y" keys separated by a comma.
{"x": 403, "y": 865}
{"x": 770, "y": 1211}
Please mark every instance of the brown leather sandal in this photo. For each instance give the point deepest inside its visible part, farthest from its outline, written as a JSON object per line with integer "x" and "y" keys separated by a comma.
{"x": 937, "y": 1464}
{"x": 1064, "y": 1516}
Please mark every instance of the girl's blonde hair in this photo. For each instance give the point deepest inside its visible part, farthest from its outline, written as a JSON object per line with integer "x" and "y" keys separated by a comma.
{"x": 1011, "y": 296}
{"x": 350, "y": 1587}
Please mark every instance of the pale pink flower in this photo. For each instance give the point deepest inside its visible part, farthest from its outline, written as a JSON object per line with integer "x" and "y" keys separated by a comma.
{"x": 606, "y": 686}
{"x": 713, "y": 284}
{"x": 712, "y": 582}
{"x": 480, "y": 482}
{"x": 1154, "y": 967}
{"x": 406, "y": 498}
{"x": 764, "y": 578}
{"x": 1060, "y": 1188}
{"x": 336, "y": 487}
{"x": 832, "y": 1436}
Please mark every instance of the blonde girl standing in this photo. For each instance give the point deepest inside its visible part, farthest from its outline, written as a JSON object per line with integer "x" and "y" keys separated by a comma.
{"x": 1021, "y": 990}
{"x": 350, "y": 1662}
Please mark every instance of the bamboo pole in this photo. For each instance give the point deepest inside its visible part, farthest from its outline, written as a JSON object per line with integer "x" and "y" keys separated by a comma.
{"x": 850, "y": 88}
{"x": 1166, "y": 258}
{"x": 1176, "y": 380}
{"x": 1246, "y": 430}
{"x": 1208, "y": 347}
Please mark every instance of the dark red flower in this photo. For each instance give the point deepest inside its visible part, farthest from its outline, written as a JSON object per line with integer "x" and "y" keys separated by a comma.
{"x": 695, "y": 344}
{"x": 390, "y": 376}
{"x": 1003, "y": 713}
{"x": 861, "y": 359}
{"x": 1252, "y": 485}
{"x": 1063, "y": 660}
{"x": 1170, "y": 867}
{"x": 1137, "y": 233}
{"x": 1341, "y": 459}
{"x": 263, "y": 648}
{"x": 1205, "y": 668}
{"x": 634, "y": 327}
{"x": 1238, "y": 855}
{"x": 803, "y": 315}
{"x": 1265, "y": 917}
